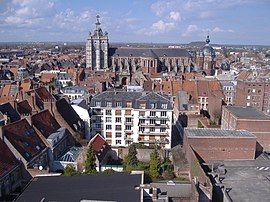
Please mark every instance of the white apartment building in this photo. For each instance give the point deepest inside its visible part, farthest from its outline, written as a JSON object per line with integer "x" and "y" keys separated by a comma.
{"x": 126, "y": 117}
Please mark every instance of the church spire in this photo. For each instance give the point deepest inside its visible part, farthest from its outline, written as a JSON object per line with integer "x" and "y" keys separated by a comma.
{"x": 207, "y": 39}
{"x": 97, "y": 22}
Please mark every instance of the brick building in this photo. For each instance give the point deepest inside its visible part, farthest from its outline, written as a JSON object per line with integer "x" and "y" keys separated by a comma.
{"x": 218, "y": 144}
{"x": 253, "y": 93}
{"x": 250, "y": 119}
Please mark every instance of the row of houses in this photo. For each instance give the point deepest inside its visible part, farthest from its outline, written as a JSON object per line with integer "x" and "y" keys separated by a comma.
{"x": 36, "y": 132}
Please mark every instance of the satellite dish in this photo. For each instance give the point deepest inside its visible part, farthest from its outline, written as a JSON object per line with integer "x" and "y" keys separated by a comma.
{"x": 40, "y": 167}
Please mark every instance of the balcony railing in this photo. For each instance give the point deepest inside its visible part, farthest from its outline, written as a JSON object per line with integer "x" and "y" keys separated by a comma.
{"x": 160, "y": 141}
{"x": 165, "y": 134}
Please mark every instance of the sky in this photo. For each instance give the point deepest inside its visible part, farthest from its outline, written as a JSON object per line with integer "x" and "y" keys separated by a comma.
{"x": 244, "y": 22}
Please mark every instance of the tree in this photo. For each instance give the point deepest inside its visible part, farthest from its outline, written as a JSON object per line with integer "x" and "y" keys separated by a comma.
{"x": 90, "y": 163}
{"x": 70, "y": 171}
{"x": 132, "y": 158}
{"x": 155, "y": 164}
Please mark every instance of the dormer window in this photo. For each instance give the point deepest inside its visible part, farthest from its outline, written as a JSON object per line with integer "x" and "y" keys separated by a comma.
{"x": 152, "y": 105}
{"x": 164, "y": 105}
{"x": 98, "y": 104}
{"x": 109, "y": 104}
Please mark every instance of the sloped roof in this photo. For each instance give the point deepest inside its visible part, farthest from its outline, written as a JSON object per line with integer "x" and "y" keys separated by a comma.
{"x": 69, "y": 114}
{"x": 44, "y": 94}
{"x": 146, "y": 52}
{"x": 100, "y": 146}
{"x": 7, "y": 161}
{"x": 8, "y": 109}
{"x": 45, "y": 123}
{"x": 24, "y": 139}
{"x": 23, "y": 107}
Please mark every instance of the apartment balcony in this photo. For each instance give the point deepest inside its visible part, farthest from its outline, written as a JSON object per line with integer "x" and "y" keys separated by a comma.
{"x": 97, "y": 112}
{"x": 128, "y": 123}
{"x": 164, "y": 134}
{"x": 128, "y": 138}
{"x": 155, "y": 117}
{"x": 156, "y": 125}
{"x": 128, "y": 131}
{"x": 154, "y": 141}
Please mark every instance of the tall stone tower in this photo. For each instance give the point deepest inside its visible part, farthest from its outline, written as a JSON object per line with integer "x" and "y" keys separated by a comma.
{"x": 97, "y": 47}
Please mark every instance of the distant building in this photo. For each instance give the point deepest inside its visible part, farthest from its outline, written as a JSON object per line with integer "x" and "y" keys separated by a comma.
{"x": 10, "y": 171}
{"x": 253, "y": 93}
{"x": 219, "y": 144}
{"x": 126, "y": 117}
{"x": 206, "y": 58}
{"x": 126, "y": 61}
{"x": 97, "y": 48}
{"x": 250, "y": 119}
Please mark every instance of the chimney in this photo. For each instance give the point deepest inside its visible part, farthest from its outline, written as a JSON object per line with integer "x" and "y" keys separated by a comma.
{"x": 33, "y": 98}
{"x": 154, "y": 194}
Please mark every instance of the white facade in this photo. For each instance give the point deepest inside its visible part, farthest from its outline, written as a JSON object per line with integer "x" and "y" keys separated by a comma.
{"x": 123, "y": 125}
{"x": 84, "y": 115}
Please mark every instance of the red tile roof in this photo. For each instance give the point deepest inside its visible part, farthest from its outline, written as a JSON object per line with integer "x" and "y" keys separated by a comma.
{"x": 24, "y": 139}
{"x": 100, "y": 146}
{"x": 7, "y": 161}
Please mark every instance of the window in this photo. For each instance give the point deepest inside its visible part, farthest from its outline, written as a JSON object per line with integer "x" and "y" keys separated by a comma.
{"x": 118, "y": 104}
{"x": 108, "y": 134}
{"x": 141, "y": 129}
{"x": 108, "y": 127}
{"x": 128, "y": 127}
{"x": 152, "y": 129}
{"x": 118, "y": 119}
{"x": 118, "y": 112}
{"x": 141, "y": 113}
{"x": 118, "y": 141}
{"x": 164, "y": 106}
{"x": 259, "y": 91}
{"x": 98, "y": 104}
{"x": 118, "y": 127}
{"x": 118, "y": 135}
{"x": 163, "y": 113}
{"x": 152, "y": 105}
{"x": 142, "y": 105}
{"x": 265, "y": 94}
{"x": 163, "y": 121}
{"x": 109, "y": 104}
{"x": 128, "y": 112}
{"x": 108, "y": 119}
{"x": 152, "y": 121}
{"x": 98, "y": 125}
{"x": 162, "y": 130}
{"x": 129, "y": 104}
{"x": 152, "y": 113}
{"x": 248, "y": 97}
{"x": 108, "y": 112}
{"x": 141, "y": 121}
{"x": 128, "y": 119}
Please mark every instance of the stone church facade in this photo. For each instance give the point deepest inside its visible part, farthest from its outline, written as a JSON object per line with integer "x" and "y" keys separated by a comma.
{"x": 128, "y": 61}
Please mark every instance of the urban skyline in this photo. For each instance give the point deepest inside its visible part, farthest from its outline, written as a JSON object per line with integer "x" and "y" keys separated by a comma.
{"x": 174, "y": 21}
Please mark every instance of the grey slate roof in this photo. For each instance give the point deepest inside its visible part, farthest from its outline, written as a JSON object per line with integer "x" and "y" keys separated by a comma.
{"x": 214, "y": 132}
{"x": 134, "y": 97}
{"x": 147, "y": 52}
{"x": 118, "y": 187}
{"x": 247, "y": 112}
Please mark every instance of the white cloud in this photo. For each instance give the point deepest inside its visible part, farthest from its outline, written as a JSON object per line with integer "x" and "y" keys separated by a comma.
{"x": 162, "y": 26}
{"x": 28, "y": 12}
{"x": 190, "y": 29}
{"x": 175, "y": 16}
{"x": 217, "y": 29}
